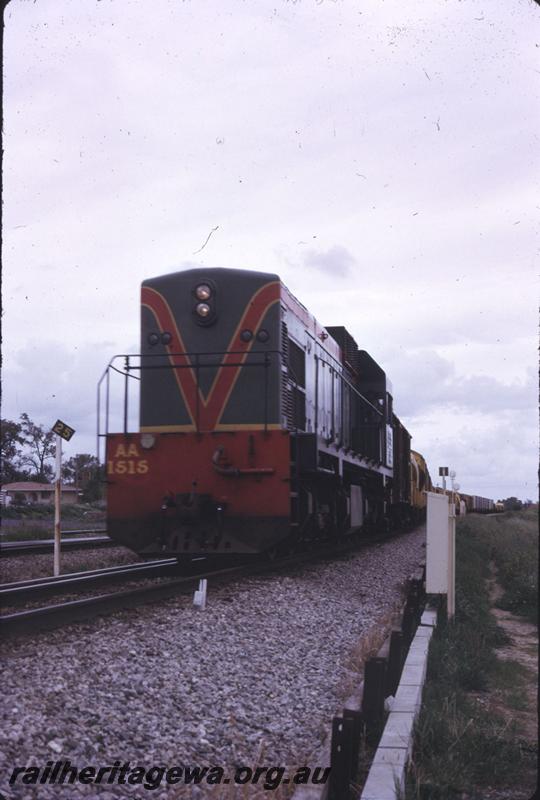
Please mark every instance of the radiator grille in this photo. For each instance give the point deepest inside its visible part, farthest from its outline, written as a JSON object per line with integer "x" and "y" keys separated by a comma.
{"x": 297, "y": 364}
{"x": 293, "y": 400}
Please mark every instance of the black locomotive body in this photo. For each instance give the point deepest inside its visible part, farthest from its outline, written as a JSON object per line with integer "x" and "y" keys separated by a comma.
{"x": 259, "y": 428}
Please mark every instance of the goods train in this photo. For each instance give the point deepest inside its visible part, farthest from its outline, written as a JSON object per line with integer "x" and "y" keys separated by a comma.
{"x": 260, "y": 429}
{"x": 481, "y": 505}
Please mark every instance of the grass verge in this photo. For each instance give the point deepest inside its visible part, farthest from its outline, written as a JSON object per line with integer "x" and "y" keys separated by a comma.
{"x": 463, "y": 745}
{"x": 20, "y": 523}
{"x": 38, "y": 511}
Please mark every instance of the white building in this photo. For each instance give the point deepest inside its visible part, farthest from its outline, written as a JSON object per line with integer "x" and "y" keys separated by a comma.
{"x": 30, "y": 492}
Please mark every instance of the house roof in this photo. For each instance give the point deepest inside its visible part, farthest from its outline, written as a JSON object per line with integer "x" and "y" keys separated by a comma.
{"x": 30, "y": 486}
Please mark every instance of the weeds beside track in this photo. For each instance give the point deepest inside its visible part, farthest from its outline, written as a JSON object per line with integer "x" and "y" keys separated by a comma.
{"x": 465, "y": 743}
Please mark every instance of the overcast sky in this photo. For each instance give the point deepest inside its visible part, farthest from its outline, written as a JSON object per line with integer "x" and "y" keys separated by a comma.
{"x": 380, "y": 155}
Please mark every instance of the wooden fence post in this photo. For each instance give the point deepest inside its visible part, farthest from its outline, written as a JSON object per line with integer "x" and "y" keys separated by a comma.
{"x": 395, "y": 662}
{"x": 341, "y": 758}
{"x": 373, "y": 697}
{"x": 407, "y": 624}
{"x": 357, "y": 723}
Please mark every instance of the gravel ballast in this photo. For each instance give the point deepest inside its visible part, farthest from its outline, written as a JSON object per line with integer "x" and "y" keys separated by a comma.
{"x": 26, "y": 567}
{"x": 266, "y": 664}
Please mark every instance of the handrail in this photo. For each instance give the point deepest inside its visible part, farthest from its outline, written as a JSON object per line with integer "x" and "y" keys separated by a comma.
{"x": 196, "y": 362}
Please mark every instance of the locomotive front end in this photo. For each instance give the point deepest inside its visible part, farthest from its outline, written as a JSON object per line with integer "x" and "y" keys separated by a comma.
{"x": 208, "y": 470}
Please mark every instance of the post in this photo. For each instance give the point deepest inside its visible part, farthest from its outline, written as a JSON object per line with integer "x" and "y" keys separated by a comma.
{"x": 199, "y": 598}
{"x": 443, "y": 471}
{"x": 408, "y": 621}
{"x": 451, "y": 600}
{"x": 57, "y": 504}
{"x": 356, "y": 737}
{"x": 373, "y": 696}
{"x": 126, "y": 393}
{"x": 395, "y": 662}
{"x": 440, "y": 555}
{"x": 341, "y": 757}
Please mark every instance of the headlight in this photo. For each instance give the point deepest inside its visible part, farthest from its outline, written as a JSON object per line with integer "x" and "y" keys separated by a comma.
{"x": 148, "y": 440}
{"x": 203, "y": 292}
{"x": 203, "y": 309}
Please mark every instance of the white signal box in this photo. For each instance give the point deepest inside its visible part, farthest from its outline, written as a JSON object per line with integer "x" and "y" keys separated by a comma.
{"x": 441, "y": 548}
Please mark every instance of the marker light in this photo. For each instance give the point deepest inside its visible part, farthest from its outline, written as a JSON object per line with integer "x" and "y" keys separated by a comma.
{"x": 166, "y": 338}
{"x": 263, "y": 335}
{"x": 203, "y": 292}
{"x": 153, "y": 339}
{"x": 246, "y": 335}
{"x": 203, "y": 309}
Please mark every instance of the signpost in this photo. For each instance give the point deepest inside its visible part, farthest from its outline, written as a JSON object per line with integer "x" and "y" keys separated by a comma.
{"x": 443, "y": 473}
{"x": 441, "y": 544}
{"x": 451, "y": 593}
{"x": 437, "y": 543}
{"x": 62, "y": 431}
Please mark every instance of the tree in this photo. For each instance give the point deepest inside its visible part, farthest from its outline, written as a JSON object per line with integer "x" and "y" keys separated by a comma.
{"x": 40, "y": 449}
{"x": 82, "y": 470}
{"x": 512, "y": 504}
{"x": 11, "y": 441}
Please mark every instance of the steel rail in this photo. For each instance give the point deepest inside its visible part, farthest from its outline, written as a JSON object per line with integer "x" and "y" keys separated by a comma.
{"x": 39, "y": 524}
{"x": 17, "y": 592}
{"x": 84, "y": 530}
{"x": 46, "y": 617}
{"x": 38, "y": 546}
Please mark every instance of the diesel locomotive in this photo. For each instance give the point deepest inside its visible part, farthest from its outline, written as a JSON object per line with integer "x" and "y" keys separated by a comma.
{"x": 259, "y": 429}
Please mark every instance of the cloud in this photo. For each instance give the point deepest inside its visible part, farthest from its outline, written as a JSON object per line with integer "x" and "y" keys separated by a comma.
{"x": 423, "y": 380}
{"x": 368, "y": 158}
{"x": 50, "y": 381}
{"x": 491, "y": 456}
{"x": 481, "y": 426}
{"x": 335, "y": 261}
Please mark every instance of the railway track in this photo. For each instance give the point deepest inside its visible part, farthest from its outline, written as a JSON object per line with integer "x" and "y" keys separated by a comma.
{"x": 38, "y": 546}
{"x": 19, "y": 592}
{"x": 51, "y": 616}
